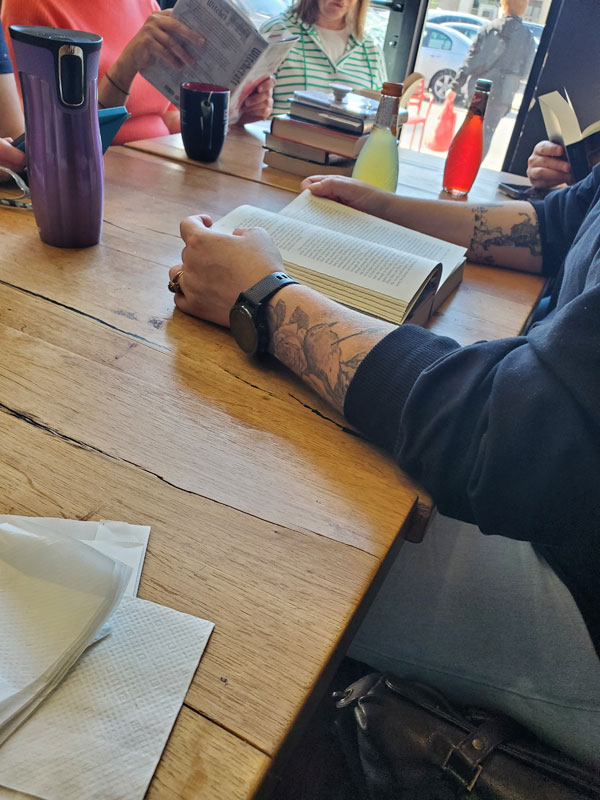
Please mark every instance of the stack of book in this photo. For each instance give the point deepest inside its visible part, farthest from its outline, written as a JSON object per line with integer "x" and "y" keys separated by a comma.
{"x": 321, "y": 134}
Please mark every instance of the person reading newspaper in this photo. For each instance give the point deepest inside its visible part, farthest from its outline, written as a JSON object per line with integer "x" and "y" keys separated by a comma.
{"x": 136, "y": 33}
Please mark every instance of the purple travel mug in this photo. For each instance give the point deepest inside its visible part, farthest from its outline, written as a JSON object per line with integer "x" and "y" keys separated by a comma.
{"x": 58, "y": 70}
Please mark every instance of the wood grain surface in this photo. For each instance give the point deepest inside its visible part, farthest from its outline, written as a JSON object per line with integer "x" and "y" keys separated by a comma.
{"x": 420, "y": 174}
{"x": 269, "y": 515}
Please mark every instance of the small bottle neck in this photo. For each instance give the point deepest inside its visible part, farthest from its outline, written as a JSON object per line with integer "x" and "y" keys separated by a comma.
{"x": 479, "y": 102}
{"x": 386, "y": 111}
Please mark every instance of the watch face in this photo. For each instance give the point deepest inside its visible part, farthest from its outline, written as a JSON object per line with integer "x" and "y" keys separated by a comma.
{"x": 243, "y": 329}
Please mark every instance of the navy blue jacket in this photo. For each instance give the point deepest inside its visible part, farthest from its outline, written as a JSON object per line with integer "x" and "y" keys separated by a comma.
{"x": 506, "y": 434}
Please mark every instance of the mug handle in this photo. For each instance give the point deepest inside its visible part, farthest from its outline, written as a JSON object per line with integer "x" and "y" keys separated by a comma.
{"x": 207, "y": 109}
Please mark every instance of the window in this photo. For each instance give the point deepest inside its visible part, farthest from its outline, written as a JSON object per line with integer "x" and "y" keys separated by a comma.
{"x": 437, "y": 40}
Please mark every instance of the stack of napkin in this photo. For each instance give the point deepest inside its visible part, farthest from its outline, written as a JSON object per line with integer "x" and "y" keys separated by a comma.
{"x": 56, "y": 594}
{"x": 91, "y": 677}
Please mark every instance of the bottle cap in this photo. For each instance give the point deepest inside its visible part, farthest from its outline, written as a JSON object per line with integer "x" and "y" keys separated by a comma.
{"x": 483, "y": 85}
{"x": 392, "y": 89}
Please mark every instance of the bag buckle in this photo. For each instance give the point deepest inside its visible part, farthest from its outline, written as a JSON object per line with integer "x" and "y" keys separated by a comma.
{"x": 464, "y": 772}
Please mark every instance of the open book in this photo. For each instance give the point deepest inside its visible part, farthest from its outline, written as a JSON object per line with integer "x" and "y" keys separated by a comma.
{"x": 364, "y": 262}
{"x": 582, "y": 147}
{"x": 234, "y": 54}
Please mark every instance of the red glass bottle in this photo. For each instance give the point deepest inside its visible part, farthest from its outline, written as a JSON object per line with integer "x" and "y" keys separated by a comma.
{"x": 466, "y": 149}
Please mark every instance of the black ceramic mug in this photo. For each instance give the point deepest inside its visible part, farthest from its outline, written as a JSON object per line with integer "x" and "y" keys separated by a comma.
{"x": 204, "y": 118}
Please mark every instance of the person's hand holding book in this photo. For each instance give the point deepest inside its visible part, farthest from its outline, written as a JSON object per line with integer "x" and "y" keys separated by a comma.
{"x": 259, "y": 103}
{"x": 547, "y": 166}
{"x": 348, "y": 191}
{"x": 217, "y": 267}
{"x": 161, "y": 36}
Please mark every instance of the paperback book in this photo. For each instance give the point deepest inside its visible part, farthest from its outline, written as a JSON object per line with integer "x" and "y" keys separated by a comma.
{"x": 234, "y": 53}
{"x": 366, "y": 263}
{"x": 582, "y": 147}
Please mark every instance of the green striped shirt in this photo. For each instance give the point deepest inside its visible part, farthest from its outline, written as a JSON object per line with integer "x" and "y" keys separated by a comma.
{"x": 308, "y": 67}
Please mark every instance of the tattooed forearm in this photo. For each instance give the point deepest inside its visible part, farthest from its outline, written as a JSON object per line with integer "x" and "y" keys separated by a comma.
{"x": 322, "y": 356}
{"x": 524, "y": 233}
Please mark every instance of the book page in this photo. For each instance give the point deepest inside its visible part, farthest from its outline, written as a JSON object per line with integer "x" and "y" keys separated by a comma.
{"x": 335, "y": 216}
{"x": 232, "y": 45}
{"x": 593, "y": 128}
{"x": 265, "y": 64}
{"x": 560, "y": 120}
{"x": 373, "y": 267}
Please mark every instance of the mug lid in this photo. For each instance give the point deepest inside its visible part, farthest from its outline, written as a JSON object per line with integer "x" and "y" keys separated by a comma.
{"x": 203, "y": 87}
{"x": 54, "y": 38}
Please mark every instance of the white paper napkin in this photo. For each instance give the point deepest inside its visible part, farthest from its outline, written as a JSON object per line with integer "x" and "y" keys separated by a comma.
{"x": 119, "y": 540}
{"x": 100, "y": 734}
{"x": 55, "y": 595}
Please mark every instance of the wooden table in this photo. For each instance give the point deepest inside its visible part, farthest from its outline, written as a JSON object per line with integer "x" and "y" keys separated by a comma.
{"x": 269, "y": 516}
{"x": 490, "y": 304}
{"x": 420, "y": 174}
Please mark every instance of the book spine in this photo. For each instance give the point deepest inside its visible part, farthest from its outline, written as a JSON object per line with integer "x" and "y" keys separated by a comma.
{"x": 343, "y": 144}
{"x": 247, "y": 65}
{"x": 578, "y": 160}
{"x": 289, "y": 148}
{"x": 295, "y": 149}
{"x": 321, "y": 116}
{"x": 302, "y": 167}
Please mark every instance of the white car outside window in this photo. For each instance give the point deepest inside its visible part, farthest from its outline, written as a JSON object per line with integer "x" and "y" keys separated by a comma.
{"x": 466, "y": 28}
{"x": 441, "y": 55}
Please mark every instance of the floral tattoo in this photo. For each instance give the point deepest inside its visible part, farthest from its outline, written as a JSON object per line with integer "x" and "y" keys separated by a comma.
{"x": 522, "y": 234}
{"x": 314, "y": 351}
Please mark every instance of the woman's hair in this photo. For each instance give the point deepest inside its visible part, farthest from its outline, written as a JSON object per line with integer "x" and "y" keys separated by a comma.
{"x": 308, "y": 11}
{"x": 518, "y": 7}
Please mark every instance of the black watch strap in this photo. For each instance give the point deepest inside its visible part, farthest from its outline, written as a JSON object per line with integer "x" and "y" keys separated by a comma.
{"x": 266, "y": 288}
{"x": 248, "y": 319}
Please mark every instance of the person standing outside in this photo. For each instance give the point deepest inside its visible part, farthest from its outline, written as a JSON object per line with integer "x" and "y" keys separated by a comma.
{"x": 502, "y": 52}
{"x": 331, "y": 46}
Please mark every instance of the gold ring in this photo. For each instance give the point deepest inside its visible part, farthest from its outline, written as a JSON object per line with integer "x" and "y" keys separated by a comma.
{"x": 174, "y": 284}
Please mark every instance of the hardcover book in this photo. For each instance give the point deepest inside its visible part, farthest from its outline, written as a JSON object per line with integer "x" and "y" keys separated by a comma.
{"x": 354, "y": 113}
{"x": 332, "y": 141}
{"x": 303, "y": 167}
{"x": 299, "y": 150}
{"x": 364, "y": 262}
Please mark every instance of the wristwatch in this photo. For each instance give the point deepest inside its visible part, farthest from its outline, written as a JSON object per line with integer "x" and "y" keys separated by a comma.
{"x": 247, "y": 318}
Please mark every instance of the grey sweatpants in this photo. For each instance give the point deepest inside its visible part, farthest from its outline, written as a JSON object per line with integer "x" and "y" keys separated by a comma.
{"x": 485, "y": 620}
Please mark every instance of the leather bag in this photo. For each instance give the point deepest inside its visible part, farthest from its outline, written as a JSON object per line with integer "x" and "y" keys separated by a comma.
{"x": 403, "y": 740}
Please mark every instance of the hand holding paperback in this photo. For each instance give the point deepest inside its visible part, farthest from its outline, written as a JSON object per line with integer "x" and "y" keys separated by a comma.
{"x": 582, "y": 147}
{"x": 234, "y": 53}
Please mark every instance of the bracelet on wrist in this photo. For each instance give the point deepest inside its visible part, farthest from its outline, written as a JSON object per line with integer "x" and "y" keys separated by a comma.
{"x": 116, "y": 85}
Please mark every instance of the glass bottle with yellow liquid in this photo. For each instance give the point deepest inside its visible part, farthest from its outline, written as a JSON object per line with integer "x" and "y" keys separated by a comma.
{"x": 377, "y": 162}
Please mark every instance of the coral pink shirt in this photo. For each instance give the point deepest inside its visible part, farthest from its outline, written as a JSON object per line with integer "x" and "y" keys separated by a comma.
{"x": 117, "y": 21}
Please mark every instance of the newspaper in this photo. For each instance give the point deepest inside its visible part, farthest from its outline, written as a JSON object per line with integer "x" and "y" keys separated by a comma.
{"x": 234, "y": 54}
